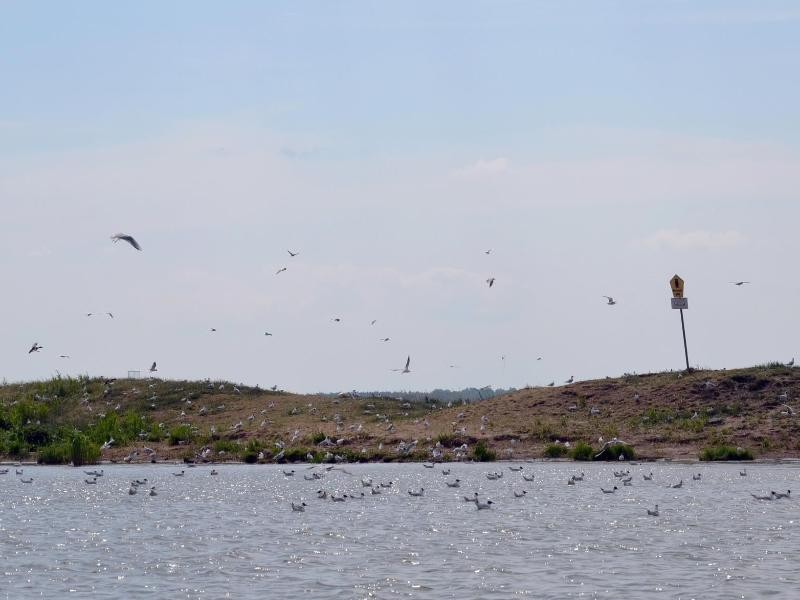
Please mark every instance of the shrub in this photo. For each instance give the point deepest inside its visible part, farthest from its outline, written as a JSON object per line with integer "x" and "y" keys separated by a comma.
{"x": 582, "y": 451}
{"x": 555, "y": 451}
{"x": 725, "y": 453}
{"x": 317, "y": 437}
{"x": 82, "y": 451}
{"x": 181, "y": 433}
{"x": 250, "y": 457}
{"x": 54, "y": 454}
{"x": 228, "y": 447}
{"x": 482, "y": 453}
{"x": 615, "y": 451}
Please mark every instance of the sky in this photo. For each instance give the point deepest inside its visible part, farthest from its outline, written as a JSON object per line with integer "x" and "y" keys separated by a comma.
{"x": 596, "y": 148}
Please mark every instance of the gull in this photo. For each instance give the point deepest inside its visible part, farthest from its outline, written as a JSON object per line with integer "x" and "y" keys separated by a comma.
{"x": 267, "y": 333}
{"x": 337, "y": 319}
{"x": 132, "y": 490}
{"x": 445, "y": 471}
{"x": 483, "y": 505}
{"x": 279, "y": 271}
{"x": 743, "y": 473}
{"x": 528, "y": 477}
{"x": 128, "y": 238}
{"x": 611, "y": 301}
{"x": 63, "y": 356}
{"x": 214, "y": 472}
{"x": 790, "y": 363}
{"x": 373, "y": 321}
{"x": 490, "y": 281}
{"x": 322, "y": 494}
{"x": 551, "y": 384}
{"x": 519, "y": 468}
{"x": 519, "y": 494}
{"x": 384, "y": 339}
{"x": 779, "y": 495}
{"x": 571, "y": 481}
{"x": 419, "y": 493}
{"x": 578, "y": 477}
{"x": 455, "y": 484}
{"x": 213, "y": 329}
{"x": 696, "y": 477}
{"x": 292, "y": 254}
{"x": 28, "y": 480}
{"x": 35, "y": 348}
{"x": 653, "y": 513}
{"x": 648, "y": 477}
{"x": 153, "y": 367}
{"x": 299, "y": 507}
{"x": 571, "y": 379}
{"x": 181, "y": 474}
{"x": 153, "y": 491}
{"x": 375, "y": 491}
{"x": 289, "y": 473}
{"x": 489, "y": 251}
{"x": 110, "y": 315}
{"x": 789, "y": 410}
{"x": 474, "y": 498}
{"x": 405, "y": 369}
{"x": 738, "y": 283}
{"x": 605, "y": 491}
{"x": 770, "y": 497}
{"x": 93, "y": 480}
{"x": 677, "y": 485}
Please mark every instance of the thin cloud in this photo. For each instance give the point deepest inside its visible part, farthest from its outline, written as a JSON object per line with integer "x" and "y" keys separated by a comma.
{"x": 694, "y": 240}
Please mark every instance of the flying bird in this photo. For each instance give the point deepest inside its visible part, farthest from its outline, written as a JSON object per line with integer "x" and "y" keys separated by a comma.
{"x": 611, "y": 301}
{"x": 738, "y": 283}
{"x": 111, "y": 316}
{"x": 279, "y": 271}
{"x": 373, "y": 321}
{"x": 336, "y": 320}
{"x": 490, "y": 281}
{"x": 268, "y": 333}
{"x": 213, "y": 329}
{"x": 63, "y": 356}
{"x": 384, "y": 339}
{"x": 405, "y": 369}
{"x": 35, "y": 348}
{"x": 128, "y": 238}
{"x": 489, "y": 251}
{"x": 153, "y": 367}
{"x": 292, "y": 254}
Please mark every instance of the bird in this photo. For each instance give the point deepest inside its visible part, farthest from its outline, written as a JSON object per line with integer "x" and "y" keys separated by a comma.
{"x": 790, "y": 363}
{"x": 611, "y": 301}
{"x": 299, "y": 507}
{"x": 337, "y": 319}
{"x": 551, "y": 384}
{"x": 648, "y": 477}
{"x": 490, "y": 281}
{"x": 519, "y": 494}
{"x": 213, "y": 329}
{"x": 292, "y": 254}
{"x": 405, "y": 369}
{"x": 653, "y": 513}
{"x": 489, "y": 251}
{"x": 279, "y": 271}
{"x": 483, "y": 505}
{"x": 738, "y": 283}
{"x": 454, "y": 484}
{"x": 770, "y": 497}
{"x": 153, "y": 491}
{"x": 35, "y": 348}
{"x": 153, "y": 367}
{"x": 571, "y": 379}
{"x": 110, "y": 316}
{"x": 373, "y": 321}
{"x": 384, "y": 339}
{"x": 419, "y": 493}
{"x": 128, "y": 238}
{"x": 743, "y": 473}
{"x": 181, "y": 474}
{"x": 267, "y": 333}
{"x": 779, "y": 495}
{"x": 675, "y": 486}
{"x": 605, "y": 491}
{"x": 63, "y": 356}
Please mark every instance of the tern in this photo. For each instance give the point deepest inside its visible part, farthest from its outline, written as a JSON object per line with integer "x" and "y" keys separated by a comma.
{"x": 35, "y": 348}
{"x": 406, "y": 368}
{"x": 490, "y": 281}
{"x": 738, "y": 283}
{"x": 292, "y": 254}
{"x": 483, "y": 505}
{"x": 128, "y": 238}
{"x": 279, "y": 271}
{"x": 611, "y": 301}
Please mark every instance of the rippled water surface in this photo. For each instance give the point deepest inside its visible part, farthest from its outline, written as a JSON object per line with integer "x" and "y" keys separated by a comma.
{"x": 235, "y": 534}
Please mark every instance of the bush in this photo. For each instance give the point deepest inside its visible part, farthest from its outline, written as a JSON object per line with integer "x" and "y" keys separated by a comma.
{"x": 54, "y": 454}
{"x": 615, "y": 451}
{"x": 250, "y": 457}
{"x": 555, "y": 451}
{"x": 582, "y": 451}
{"x": 725, "y": 453}
{"x": 181, "y": 433}
{"x": 82, "y": 451}
{"x": 317, "y": 437}
{"x": 482, "y": 453}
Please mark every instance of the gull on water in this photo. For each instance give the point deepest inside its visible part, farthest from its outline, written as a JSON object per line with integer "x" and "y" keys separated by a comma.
{"x": 483, "y": 505}
{"x": 299, "y": 507}
{"x": 519, "y": 494}
{"x": 675, "y": 486}
{"x": 611, "y": 491}
{"x": 779, "y": 495}
{"x": 419, "y": 493}
{"x": 653, "y": 513}
{"x": 648, "y": 477}
{"x": 454, "y": 484}
{"x": 770, "y": 497}
{"x": 128, "y": 238}
{"x": 153, "y": 491}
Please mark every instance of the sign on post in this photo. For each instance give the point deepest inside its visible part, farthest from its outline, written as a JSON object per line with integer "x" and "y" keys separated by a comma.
{"x": 680, "y": 303}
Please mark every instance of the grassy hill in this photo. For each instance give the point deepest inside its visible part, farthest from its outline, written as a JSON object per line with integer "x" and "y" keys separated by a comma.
{"x": 662, "y": 415}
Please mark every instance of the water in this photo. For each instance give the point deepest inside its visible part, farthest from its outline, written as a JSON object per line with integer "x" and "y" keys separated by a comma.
{"x": 234, "y": 535}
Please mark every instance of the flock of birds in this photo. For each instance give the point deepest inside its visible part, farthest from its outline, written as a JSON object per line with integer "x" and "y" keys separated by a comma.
{"x": 318, "y": 473}
{"x": 610, "y": 301}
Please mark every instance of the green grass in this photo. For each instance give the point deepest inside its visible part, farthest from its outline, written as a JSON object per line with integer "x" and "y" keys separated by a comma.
{"x": 555, "y": 451}
{"x": 725, "y": 453}
{"x": 582, "y": 451}
{"x": 482, "y": 453}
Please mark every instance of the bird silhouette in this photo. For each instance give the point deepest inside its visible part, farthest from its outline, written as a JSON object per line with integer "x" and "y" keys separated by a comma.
{"x": 153, "y": 367}
{"x": 490, "y": 281}
{"x": 128, "y": 238}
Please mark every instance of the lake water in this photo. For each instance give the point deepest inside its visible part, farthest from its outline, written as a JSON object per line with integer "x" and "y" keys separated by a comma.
{"x": 234, "y": 535}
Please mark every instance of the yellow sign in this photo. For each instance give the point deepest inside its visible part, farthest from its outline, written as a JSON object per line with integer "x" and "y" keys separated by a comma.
{"x": 676, "y": 283}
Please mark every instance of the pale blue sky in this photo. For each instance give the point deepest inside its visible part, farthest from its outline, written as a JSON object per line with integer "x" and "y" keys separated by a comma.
{"x": 597, "y": 147}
